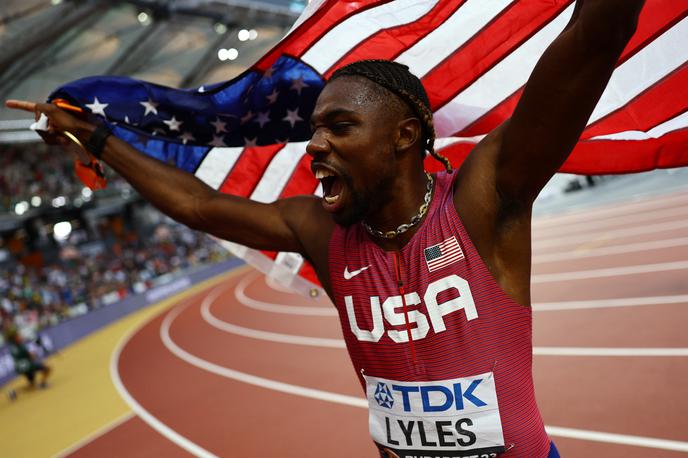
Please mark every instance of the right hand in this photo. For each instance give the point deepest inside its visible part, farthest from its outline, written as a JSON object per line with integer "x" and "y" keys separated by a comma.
{"x": 58, "y": 121}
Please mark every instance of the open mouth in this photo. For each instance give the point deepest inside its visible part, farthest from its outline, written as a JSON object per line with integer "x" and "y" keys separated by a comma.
{"x": 332, "y": 185}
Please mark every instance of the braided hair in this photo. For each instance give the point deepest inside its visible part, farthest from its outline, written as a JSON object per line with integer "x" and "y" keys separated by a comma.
{"x": 397, "y": 78}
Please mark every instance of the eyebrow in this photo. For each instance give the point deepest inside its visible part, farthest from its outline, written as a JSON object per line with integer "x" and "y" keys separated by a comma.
{"x": 332, "y": 114}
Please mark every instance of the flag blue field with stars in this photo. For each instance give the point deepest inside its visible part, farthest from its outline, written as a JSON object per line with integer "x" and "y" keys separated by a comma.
{"x": 179, "y": 126}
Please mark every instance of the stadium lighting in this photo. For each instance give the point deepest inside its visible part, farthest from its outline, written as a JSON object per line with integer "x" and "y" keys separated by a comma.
{"x": 86, "y": 193}
{"x": 220, "y": 28}
{"x": 36, "y": 201}
{"x": 222, "y": 54}
{"x": 59, "y": 201}
{"x": 252, "y": 34}
{"x": 243, "y": 35}
{"x": 21, "y": 207}
{"x": 62, "y": 230}
{"x": 55, "y": 2}
{"x": 232, "y": 53}
{"x": 143, "y": 18}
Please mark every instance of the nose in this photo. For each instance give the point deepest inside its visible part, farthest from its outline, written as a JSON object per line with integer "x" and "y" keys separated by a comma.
{"x": 318, "y": 146}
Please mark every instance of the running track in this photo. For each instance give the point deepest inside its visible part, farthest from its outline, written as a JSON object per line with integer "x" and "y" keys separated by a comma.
{"x": 245, "y": 369}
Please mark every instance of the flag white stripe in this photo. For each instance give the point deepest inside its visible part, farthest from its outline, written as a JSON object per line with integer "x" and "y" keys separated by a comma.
{"x": 356, "y": 29}
{"x": 463, "y": 25}
{"x": 659, "y": 58}
{"x": 446, "y": 262}
{"x": 675, "y": 123}
{"x": 500, "y": 82}
{"x": 217, "y": 164}
{"x": 278, "y": 172}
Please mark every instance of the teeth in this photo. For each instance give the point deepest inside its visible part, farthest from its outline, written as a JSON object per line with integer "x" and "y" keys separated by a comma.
{"x": 322, "y": 173}
{"x": 332, "y": 199}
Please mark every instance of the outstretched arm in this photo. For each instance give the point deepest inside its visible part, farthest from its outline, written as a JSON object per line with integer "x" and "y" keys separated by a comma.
{"x": 560, "y": 96}
{"x": 280, "y": 226}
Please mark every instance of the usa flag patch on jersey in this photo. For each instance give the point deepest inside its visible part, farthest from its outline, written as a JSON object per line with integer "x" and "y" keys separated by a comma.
{"x": 443, "y": 254}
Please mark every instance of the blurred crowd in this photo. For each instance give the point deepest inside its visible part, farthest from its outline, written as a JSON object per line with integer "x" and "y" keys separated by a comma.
{"x": 85, "y": 279}
{"x": 39, "y": 175}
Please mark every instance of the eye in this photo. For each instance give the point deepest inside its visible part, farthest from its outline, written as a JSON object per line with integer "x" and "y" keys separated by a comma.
{"x": 341, "y": 127}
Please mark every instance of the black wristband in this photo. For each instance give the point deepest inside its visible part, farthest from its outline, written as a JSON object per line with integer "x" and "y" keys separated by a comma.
{"x": 96, "y": 142}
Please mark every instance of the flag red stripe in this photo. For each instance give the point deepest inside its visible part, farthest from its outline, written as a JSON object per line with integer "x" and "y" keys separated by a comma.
{"x": 302, "y": 180}
{"x": 504, "y": 109}
{"x": 248, "y": 170}
{"x": 389, "y": 43}
{"x": 515, "y": 25}
{"x": 313, "y": 29}
{"x": 656, "y": 18}
{"x": 604, "y": 156}
{"x": 660, "y": 102}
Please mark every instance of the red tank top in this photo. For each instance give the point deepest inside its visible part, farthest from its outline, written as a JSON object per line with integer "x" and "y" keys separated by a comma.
{"x": 444, "y": 355}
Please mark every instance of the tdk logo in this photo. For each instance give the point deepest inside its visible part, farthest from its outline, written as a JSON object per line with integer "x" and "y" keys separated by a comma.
{"x": 383, "y": 396}
{"x": 438, "y": 398}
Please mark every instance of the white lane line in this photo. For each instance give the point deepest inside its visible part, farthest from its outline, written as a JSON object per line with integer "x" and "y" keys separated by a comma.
{"x": 607, "y": 250}
{"x": 144, "y": 414}
{"x": 297, "y": 390}
{"x": 623, "y": 439}
{"x": 610, "y": 272}
{"x": 596, "y": 225}
{"x": 240, "y": 294}
{"x": 95, "y": 435}
{"x": 261, "y": 335}
{"x": 612, "y": 210}
{"x": 610, "y": 303}
{"x": 249, "y": 378}
{"x": 639, "y": 229}
{"x": 339, "y": 343}
{"x": 602, "y": 351}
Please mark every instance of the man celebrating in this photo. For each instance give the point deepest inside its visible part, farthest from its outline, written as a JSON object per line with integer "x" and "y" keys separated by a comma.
{"x": 430, "y": 274}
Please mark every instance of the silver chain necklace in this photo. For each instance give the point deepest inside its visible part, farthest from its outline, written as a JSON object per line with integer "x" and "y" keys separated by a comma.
{"x": 414, "y": 221}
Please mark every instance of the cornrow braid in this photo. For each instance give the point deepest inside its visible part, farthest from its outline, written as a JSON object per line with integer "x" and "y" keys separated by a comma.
{"x": 397, "y": 78}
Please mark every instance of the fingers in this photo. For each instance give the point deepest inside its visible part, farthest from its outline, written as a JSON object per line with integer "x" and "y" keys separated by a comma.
{"x": 20, "y": 105}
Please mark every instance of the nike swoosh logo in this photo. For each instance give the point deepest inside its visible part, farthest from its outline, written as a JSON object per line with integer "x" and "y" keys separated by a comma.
{"x": 349, "y": 275}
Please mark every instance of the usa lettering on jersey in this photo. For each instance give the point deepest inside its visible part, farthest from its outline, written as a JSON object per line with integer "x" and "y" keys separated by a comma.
{"x": 391, "y": 311}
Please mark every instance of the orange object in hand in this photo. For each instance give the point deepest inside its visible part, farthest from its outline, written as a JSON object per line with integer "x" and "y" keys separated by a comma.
{"x": 89, "y": 170}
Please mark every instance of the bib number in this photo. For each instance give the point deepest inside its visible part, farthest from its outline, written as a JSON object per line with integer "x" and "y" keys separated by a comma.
{"x": 454, "y": 418}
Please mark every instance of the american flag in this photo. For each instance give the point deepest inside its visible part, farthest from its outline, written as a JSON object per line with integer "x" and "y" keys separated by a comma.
{"x": 247, "y": 136}
{"x": 443, "y": 254}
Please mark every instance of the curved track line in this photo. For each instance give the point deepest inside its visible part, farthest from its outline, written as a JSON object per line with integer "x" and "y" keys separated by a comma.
{"x": 261, "y": 335}
{"x": 607, "y": 250}
{"x": 609, "y": 272}
{"x": 139, "y": 410}
{"x": 339, "y": 343}
{"x": 612, "y": 234}
{"x": 240, "y": 294}
{"x": 249, "y": 378}
{"x": 598, "y": 224}
{"x": 581, "y": 434}
{"x": 610, "y": 303}
{"x": 611, "y": 209}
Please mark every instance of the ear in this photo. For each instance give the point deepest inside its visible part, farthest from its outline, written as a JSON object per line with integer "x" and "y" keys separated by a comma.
{"x": 409, "y": 132}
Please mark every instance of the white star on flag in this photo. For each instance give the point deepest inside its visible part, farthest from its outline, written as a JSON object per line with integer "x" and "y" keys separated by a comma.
{"x": 201, "y": 89}
{"x": 250, "y": 142}
{"x": 272, "y": 98}
{"x": 268, "y": 73}
{"x": 96, "y": 107}
{"x": 298, "y": 84}
{"x": 150, "y": 106}
{"x": 219, "y": 126}
{"x": 187, "y": 137}
{"x": 173, "y": 124}
{"x": 217, "y": 141}
{"x": 292, "y": 117}
{"x": 263, "y": 118}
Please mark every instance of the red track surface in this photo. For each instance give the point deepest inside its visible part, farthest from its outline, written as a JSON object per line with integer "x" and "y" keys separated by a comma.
{"x": 204, "y": 403}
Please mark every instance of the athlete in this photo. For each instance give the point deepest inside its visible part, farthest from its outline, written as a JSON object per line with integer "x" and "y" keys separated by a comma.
{"x": 26, "y": 362}
{"x": 430, "y": 273}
